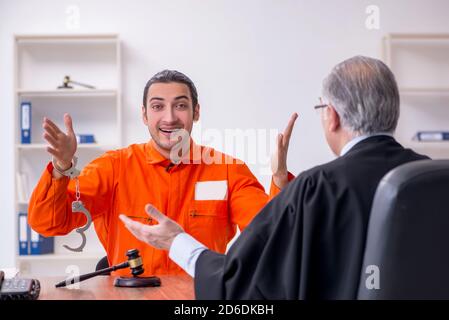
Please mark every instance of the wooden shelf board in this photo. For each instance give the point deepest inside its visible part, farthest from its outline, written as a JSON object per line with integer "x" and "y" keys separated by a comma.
{"x": 39, "y": 146}
{"x": 418, "y": 36}
{"x": 424, "y": 91}
{"x": 68, "y": 93}
{"x": 66, "y": 38}
{"x": 62, "y": 257}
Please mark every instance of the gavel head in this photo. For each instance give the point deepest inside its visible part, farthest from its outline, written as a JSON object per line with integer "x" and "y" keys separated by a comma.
{"x": 135, "y": 262}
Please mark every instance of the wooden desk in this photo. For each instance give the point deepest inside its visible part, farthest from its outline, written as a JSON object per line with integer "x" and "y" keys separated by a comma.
{"x": 102, "y": 288}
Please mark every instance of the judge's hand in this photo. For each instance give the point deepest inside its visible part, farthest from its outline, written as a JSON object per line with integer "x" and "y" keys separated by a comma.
{"x": 279, "y": 159}
{"x": 62, "y": 145}
{"x": 159, "y": 236}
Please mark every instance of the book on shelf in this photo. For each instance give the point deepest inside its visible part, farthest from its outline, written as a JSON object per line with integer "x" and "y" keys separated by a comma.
{"x": 24, "y": 248}
{"x": 432, "y": 136}
{"x": 31, "y": 242}
{"x": 25, "y": 122}
{"x": 85, "y": 138}
{"x": 23, "y": 187}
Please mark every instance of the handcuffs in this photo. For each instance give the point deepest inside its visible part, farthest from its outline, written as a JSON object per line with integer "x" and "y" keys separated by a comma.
{"x": 77, "y": 205}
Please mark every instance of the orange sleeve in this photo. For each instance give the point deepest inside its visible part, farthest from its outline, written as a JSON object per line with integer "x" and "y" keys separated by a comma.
{"x": 246, "y": 195}
{"x": 50, "y": 212}
{"x": 274, "y": 189}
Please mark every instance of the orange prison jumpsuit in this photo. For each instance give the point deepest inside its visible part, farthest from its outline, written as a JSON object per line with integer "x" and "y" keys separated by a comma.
{"x": 125, "y": 180}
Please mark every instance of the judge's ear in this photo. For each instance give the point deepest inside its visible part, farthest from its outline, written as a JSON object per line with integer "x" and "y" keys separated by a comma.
{"x": 144, "y": 115}
{"x": 333, "y": 119}
{"x": 196, "y": 113}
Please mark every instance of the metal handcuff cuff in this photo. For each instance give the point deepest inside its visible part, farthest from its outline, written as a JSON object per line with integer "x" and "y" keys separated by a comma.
{"x": 77, "y": 205}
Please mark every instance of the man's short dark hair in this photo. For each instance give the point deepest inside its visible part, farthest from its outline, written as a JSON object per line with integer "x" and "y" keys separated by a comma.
{"x": 167, "y": 76}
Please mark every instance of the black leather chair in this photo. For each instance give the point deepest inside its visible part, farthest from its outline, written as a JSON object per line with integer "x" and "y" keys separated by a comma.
{"x": 102, "y": 264}
{"x": 408, "y": 234}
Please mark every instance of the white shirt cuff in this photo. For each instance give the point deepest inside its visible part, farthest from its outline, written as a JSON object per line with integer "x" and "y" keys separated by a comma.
{"x": 184, "y": 251}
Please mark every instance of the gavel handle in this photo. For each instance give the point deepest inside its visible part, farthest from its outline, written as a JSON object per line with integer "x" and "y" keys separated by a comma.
{"x": 91, "y": 275}
{"x": 82, "y": 84}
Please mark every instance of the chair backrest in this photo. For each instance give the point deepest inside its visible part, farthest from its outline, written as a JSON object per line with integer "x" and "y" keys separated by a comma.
{"x": 407, "y": 246}
{"x": 103, "y": 263}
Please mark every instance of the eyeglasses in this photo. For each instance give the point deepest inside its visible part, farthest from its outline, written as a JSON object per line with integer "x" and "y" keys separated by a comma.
{"x": 321, "y": 105}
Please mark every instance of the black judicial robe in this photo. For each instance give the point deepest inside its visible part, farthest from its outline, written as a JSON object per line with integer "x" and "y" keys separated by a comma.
{"x": 308, "y": 242}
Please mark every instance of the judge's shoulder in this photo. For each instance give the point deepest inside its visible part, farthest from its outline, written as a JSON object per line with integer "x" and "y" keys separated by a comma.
{"x": 330, "y": 172}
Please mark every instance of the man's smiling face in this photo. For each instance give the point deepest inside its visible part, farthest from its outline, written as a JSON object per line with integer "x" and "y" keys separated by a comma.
{"x": 168, "y": 109}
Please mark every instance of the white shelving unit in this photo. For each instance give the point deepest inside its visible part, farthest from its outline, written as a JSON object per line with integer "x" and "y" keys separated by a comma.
{"x": 41, "y": 62}
{"x": 420, "y": 63}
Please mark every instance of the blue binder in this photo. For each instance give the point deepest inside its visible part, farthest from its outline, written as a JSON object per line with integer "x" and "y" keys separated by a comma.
{"x": 432, "y": 135}
{"x": 25, "y": 122}
{"x": 31, "y": 242}
{"x": 23, "y": 234}
{"x": 40, "y": 244}
{"x": 85, "y": 138}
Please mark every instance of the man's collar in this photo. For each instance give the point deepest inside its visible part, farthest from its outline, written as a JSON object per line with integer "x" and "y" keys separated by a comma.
{"x": 348, "y": 146}
{"x": 153, "y": 156}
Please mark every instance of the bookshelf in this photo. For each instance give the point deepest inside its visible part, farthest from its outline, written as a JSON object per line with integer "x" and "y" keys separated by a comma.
{"x": 420, "y": 63}
{"x": 41, "y": 63}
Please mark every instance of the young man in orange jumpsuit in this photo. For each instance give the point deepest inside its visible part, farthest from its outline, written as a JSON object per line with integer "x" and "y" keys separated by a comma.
{"x": 207, "y": 198}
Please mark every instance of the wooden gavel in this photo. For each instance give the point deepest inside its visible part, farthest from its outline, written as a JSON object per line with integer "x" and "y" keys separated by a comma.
{"x": 134, "y": 263}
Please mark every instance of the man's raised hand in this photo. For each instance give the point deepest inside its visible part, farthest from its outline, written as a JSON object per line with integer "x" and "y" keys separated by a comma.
{"x": 62, "y": 145}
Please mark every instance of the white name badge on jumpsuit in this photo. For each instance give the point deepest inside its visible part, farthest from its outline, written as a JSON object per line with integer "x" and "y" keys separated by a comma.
{"x": 211, "y": 190}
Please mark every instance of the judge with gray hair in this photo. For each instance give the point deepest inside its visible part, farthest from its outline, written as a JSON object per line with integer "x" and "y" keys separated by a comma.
{"x": 308, "y": 242}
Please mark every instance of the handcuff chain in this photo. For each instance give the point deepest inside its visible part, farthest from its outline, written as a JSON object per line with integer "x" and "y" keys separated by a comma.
{"x": 77, "y": 205}
{"x": 77, "y": 189}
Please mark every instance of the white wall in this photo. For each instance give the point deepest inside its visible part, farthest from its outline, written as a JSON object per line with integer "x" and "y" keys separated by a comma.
{"x": 254, "y": 62}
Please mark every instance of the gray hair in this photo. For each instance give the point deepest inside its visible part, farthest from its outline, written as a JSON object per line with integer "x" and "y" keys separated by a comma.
{"x": 365, "y": 95}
